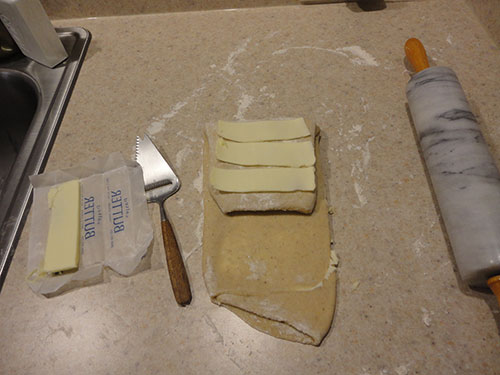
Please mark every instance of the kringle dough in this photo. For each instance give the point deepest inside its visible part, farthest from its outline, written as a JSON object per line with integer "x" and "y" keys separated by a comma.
{"x": 276, "y": 271}
{"x": 300, "y": 201}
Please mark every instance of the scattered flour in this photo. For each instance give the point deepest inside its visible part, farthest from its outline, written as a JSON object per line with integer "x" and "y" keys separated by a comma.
{"x": 199, "y": 230}
{"x": 356, "y": 129}
{"x": 158, "y": 124}
{"x": 361, "y": 56}
{"x": 229, "y": 67}
{"x": 175, "y": 109}
{"x": 366, "y": 152}
{"x": 271, "y": 34}
{"x": 243, "y": 104}
{"x": 199, "y": 236}
{"x": 257, "y": 269}
{"x": 218, "y": 336}
{"x": 198, "y": 182}
{"x": 359, "y": 192}
{"x": 426, "y": 316}
{"x": 418, "y": 245}
{"x": 156, "y": 127}
{"x": 182, "y": 155}
{"x": 365, "y": 105}
{"x": 355, "y": 54}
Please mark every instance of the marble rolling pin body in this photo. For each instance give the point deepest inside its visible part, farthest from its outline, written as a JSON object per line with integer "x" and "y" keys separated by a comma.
{"x": 463, "y": 173}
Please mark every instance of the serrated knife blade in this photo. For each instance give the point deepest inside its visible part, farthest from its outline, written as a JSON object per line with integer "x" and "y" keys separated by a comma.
{"x": 156, "y": 171}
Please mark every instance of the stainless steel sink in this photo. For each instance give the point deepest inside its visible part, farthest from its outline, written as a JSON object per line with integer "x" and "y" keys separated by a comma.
{"x": 19, "y": 100}
{"x": 33, "y": 99}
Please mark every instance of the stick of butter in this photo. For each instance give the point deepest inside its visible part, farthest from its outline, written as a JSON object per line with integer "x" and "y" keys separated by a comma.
{"x": 63, "y": 243}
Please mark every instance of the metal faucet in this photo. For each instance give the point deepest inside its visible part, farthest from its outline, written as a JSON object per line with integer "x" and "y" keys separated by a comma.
{"x": 25, "y": 26}
{"x": 7, "y": 45}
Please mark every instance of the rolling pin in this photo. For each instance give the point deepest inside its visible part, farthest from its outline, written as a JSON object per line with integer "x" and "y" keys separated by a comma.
{"x": 464, "y": 177}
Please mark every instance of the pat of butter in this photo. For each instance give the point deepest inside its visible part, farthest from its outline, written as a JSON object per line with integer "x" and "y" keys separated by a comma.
{"x": 249, "y": 180}
{"x": 63, "y": 243}
{"x": 282, "y": 154}
{"x": 258, "y": 131}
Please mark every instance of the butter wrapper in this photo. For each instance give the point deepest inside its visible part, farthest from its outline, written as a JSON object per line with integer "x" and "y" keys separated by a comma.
{"x": 116, "y": 228}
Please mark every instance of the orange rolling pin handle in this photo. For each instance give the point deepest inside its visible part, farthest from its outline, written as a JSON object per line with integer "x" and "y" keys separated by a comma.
{"x": 494, "y": 284}
{"x": 415, "y": 53}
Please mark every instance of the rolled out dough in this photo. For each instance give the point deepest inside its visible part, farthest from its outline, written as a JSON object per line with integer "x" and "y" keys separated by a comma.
{"x": 276, "y": 271}
{"x": 299, "y": 201}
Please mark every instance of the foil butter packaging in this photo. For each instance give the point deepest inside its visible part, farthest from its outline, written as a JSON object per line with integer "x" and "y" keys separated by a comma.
{"x": 116, "y": 228}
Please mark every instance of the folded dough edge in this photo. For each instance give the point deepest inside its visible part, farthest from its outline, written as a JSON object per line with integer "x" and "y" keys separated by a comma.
{"x": 301, "y": 307}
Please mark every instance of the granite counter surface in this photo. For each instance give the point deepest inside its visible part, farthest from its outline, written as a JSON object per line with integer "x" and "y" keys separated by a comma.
{"x": 401, "y": 307}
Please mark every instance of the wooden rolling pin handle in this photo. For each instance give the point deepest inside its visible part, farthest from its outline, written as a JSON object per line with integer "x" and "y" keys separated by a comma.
{"x": 415, "y": 53}
{"x": 494, "y": 284}
{"x": 175, "y": 264}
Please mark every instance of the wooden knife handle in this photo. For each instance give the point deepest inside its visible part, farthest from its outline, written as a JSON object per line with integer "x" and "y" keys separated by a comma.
{"x": 415, "y": 53}
{"x": 175, "y": 264}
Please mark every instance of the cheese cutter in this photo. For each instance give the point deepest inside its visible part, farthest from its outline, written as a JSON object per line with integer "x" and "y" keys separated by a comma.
{"x": 160, "y": 182}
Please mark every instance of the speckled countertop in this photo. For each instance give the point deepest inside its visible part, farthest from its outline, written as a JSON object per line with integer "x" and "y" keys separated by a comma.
{"x": 401, "y": 308}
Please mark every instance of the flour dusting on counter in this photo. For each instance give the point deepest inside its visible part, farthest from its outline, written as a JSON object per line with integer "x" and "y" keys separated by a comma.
{"x": 218, "y": 336}
{"x": 181, "y": 134}
{"x": 175, "y": 109}
{"x": 356, "y": 129}
{"x": 257, "y": 269}
{"x": 361, "y": 57}
{"x": 198, "y": 182}
{"x": 365, "y": 152}
{"x": 271, "y": 34}
{"x": 229, "y": 67}
{"x": 418, "y": 245}
{"x": 359, "y": 192}
{"x": 243, "y": 104}
{"x": 199, "y": 236}
{"x": 426, "y": 316}
{"x": 156, "y": 127}
{"x": 182, "y": 155}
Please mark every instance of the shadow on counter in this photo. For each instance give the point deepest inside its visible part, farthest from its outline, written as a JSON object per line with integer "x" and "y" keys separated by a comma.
{"x": 366, "y": 5}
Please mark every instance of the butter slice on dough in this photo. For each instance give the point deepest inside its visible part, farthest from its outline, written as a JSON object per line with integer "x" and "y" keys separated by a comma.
{"x": 256, "y": 131}
{"x": 298, "y": 201}
{"x": 251, "y": 180}
{"x": 279, "y": 154}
